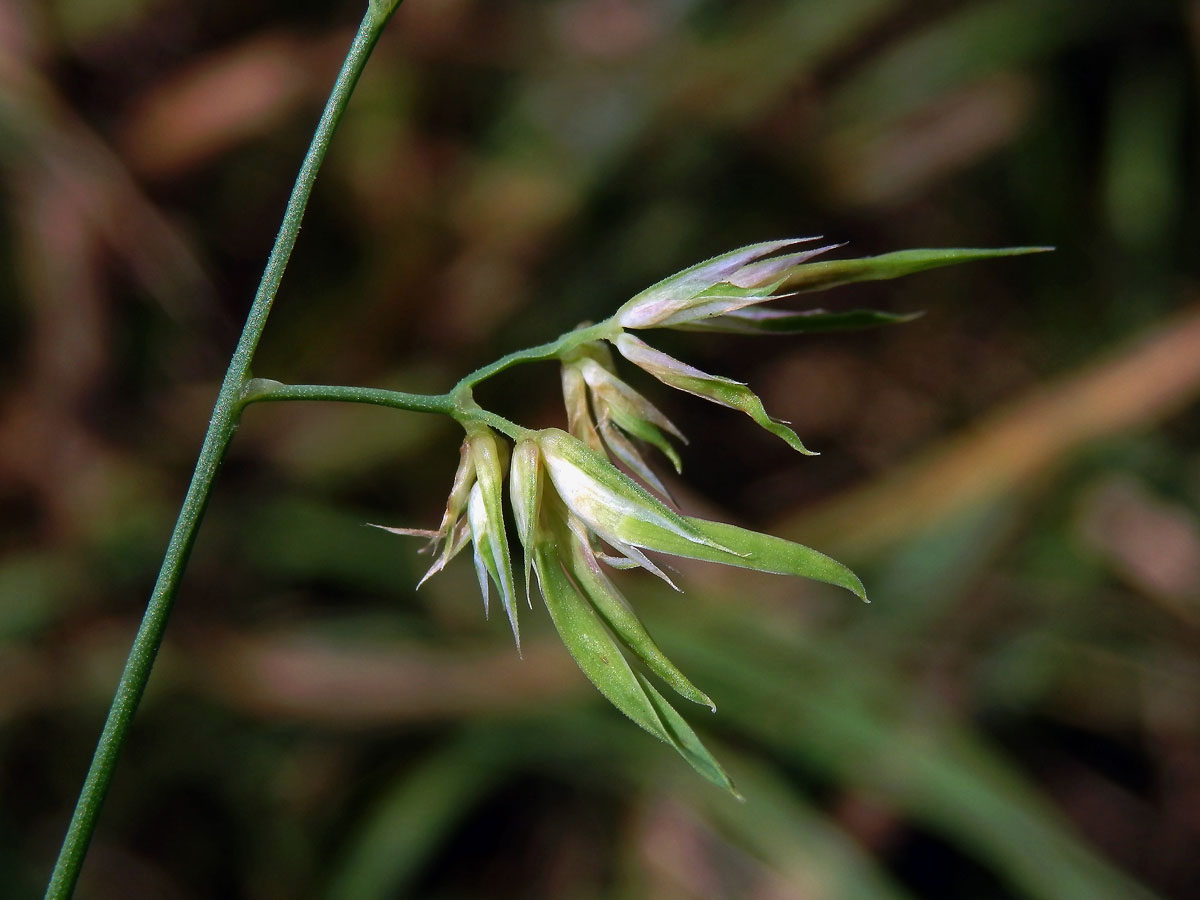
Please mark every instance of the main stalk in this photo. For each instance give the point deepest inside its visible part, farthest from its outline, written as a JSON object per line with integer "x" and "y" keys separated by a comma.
{"x": 221, "y": 427}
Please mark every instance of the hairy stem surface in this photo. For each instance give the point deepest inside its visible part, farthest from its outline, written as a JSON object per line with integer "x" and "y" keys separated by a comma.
{"x": 455, "y": 405}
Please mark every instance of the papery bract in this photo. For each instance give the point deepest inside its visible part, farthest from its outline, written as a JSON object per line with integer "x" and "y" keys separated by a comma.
{"x": 725, "y": 391}
{"x": 486, "y": 513}
{"x": 727, "y": 282}
{"x": 608, "y": 501}
{"x": 579, "y": 414}
{"x": 525, "y": 494}
{"x": 621, "y": 410}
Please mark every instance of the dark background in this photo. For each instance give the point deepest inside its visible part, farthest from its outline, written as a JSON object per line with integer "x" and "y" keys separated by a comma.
{"x": 1015, "y": 475}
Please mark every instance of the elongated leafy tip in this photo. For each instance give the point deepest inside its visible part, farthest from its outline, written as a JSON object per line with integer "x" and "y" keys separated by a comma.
{"x": 739, "y": 397}
{"x": 598, "y": 655}
{"x": 685, "y": 741}
{"x": 725, "y": 391}
{"x": 831, "y": 273}
{"x": 763, "y": 553}
{"x": 620, "y": 618}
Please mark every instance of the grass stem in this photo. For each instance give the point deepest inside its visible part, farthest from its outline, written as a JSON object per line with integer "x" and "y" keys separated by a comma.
{"x": 221, "y": 428}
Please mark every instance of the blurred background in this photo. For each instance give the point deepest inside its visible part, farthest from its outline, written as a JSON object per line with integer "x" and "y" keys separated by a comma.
{"x": 1015, "y": 475}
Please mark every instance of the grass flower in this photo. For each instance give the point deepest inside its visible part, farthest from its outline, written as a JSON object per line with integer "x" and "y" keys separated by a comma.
{"x": 475, "y": 514}
{"x": 584, "y": 502}
{"x": 570, "y": 503}
{"x": 720, "y": 390}
{"x": 568, "y": 499}
{"x": 717, "y": 286}
{"x": 578, "y": 516}
{"x": 605, "y": 413}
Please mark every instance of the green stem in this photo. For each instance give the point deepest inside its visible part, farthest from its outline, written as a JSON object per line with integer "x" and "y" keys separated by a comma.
{"x": 551, "y": 350}
{"x": 463, "y": 409}
{"x": 499, "y": 423}
{"x": 221, "y": 428}
{"x": 260, "y": 390}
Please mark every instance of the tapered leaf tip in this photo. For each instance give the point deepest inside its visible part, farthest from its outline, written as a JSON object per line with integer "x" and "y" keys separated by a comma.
{"x": 859, "y": 590}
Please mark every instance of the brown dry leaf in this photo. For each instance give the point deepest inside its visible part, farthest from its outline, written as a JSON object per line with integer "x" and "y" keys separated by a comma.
{"x": 1152, "y": 544}
{"x": 304, "y": 678}
{"x": 355, "y": 684}
{"x": 234, "y": 94}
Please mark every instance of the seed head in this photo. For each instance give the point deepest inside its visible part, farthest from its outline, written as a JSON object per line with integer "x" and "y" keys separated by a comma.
{"x": 717, "y": 286}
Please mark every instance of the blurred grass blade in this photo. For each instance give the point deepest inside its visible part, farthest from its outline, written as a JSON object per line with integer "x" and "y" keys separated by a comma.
{"x": 808, "y": 321}
{"x": 854, "y": 723}
{"x": 601, "y": 660}
{"x": 1149, "y": 377}
{"x": 966, "y": 44}
{"x": 414, "y": 815}
{"x": 831, "y": 273}
{"x": 780, "y": 826}
{"x": 1143, "y": 159}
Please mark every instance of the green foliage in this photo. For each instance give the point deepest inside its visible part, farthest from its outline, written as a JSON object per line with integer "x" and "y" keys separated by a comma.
{"x": 820, "y": 276}
{"x": 601, "y": 659}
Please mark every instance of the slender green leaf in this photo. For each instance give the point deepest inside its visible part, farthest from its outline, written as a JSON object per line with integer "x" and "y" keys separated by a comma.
{"x": 625, "y": 624}
{"x": 736, "y": 395}
{"x": 717, "y": 388}
{"x": 686, "y": 741}
{"x": 831, "y": 273}
{"x": 599, "y": 657}
{"x": 754, "y": 550}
